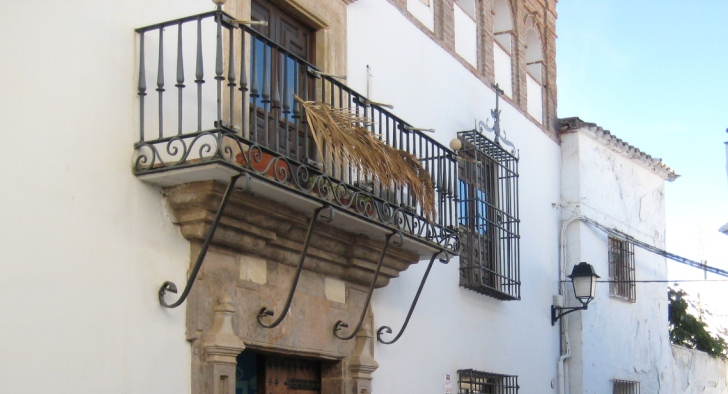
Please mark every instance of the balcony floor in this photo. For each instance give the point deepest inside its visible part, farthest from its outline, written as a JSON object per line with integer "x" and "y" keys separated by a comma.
{"x": 344, "y": 219}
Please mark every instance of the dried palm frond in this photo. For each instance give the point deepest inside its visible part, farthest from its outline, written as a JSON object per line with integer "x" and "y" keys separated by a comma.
{"x": 348, "y": 140}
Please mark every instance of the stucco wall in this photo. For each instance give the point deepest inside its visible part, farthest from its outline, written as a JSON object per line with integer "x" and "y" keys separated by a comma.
{"x": 466, "y": 34}
{"x": 614, "y": 338}
{"x": 698, "y": 372}
{"x": 453, "y": 328}
{"x": 85, "y": 244}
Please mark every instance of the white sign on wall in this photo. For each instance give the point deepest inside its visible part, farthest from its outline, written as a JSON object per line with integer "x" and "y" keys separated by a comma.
{"x": 448, "y": 384}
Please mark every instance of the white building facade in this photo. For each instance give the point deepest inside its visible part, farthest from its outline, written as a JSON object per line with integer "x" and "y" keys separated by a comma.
{"x": 121, "y": 151}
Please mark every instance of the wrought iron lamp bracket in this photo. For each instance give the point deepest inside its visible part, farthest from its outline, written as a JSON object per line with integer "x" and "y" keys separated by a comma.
{"x": 340, "y": 324}
{"x": 265, "y": 312}
{"x": 556, "y": 314}
{"x": 387, "y": 329}
{"x": 170, "y": 286}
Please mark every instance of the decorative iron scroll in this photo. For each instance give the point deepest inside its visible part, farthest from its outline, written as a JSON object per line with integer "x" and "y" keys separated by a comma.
{"x": 228, "y": 148}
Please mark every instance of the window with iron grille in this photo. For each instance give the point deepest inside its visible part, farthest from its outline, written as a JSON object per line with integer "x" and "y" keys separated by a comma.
{"x": 621, "y": 269}
{"x": 471, "y": 381}
{"x": 625, "y": 387}
{"x": 488, "y": 218}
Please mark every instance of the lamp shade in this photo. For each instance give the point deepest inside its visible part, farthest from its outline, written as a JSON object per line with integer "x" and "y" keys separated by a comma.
{"x": 584, "y": 279}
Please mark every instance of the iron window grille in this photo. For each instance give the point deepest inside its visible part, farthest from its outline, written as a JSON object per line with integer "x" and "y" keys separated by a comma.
{"x": 622, "y": 270}
{"x": 625, "y": 387}
{"x": 471, "y": 381}
{"x": 488, "y": 218}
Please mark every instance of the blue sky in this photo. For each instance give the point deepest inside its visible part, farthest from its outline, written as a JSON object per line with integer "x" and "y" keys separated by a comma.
{"x": 655, "y": 74}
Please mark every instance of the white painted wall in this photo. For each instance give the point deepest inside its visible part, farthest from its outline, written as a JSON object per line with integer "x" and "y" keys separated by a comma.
{"x": 453, "y": 328}
{"x": 466, "y": 34}
{"x": 698, "y": 372}
{"x": 615, "y": 339}
{"x": 534, "y": 98}
{"x": 423, "y": 11}
{"x": 503, "y": 70}
{"x": 85, "y": 245}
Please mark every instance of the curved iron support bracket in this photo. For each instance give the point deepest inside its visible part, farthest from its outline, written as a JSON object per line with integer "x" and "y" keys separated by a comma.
{"x": 388, "y": 329}
{"x": 170, "y": 286}
{"x": 340, "y": 324}
{"x": 555, "y": 315}
{"x": 265, "y": 312}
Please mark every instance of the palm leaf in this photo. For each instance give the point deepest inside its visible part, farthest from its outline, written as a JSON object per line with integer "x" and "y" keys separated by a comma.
{"x": 348, "y": 140}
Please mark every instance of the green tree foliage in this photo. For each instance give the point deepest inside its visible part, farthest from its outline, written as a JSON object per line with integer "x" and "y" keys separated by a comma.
{"x": 689, "y": 331}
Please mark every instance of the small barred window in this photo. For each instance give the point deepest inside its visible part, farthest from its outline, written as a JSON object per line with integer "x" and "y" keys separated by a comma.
{"x": 622, "y": 269}
{"x": 625, "y": 387}
{"x": 471, "y": 381}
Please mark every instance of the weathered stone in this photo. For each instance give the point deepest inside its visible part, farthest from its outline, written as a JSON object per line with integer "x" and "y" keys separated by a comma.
{"x": 245, "y": 240}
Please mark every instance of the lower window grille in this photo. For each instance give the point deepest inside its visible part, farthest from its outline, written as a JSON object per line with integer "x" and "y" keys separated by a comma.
{"x": 625, "y": 387}
{"x": 471, "y": 381}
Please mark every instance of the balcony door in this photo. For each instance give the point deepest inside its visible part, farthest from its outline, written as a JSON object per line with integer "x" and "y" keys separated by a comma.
{"x": 284, "y": 29}
{"x": 275, "y": 122}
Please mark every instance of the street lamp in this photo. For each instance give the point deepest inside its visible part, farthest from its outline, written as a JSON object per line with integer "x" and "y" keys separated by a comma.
{"x": 584, "y": 280}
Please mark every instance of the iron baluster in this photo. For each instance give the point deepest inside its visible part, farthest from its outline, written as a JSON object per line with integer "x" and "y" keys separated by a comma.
{"x": 180, "y": 79}
{"x": 219, "y": 67}
{"x": 231, "y": 74}
{"x": 286, "y": 91}
{"x": 296, "y": 111}
{"x": 160, "y": 80}
{"x": 265, "y": 312}
{"x": 254, "y": 87}
{"x": 275, "y": 98}
{"x": 199, "y": 75}
{"x": 340, "y": 324}
{"x": 286, "y": 107}
{"x": 306, "y": 97}
{"x": 266, "y": 96}
{"x": 388, "y": 329}
{"x": 170, "y": 286}
{"x": 142, "y": 87}
{"x": 323, "y": 153}
{"x": 245, "y": 109}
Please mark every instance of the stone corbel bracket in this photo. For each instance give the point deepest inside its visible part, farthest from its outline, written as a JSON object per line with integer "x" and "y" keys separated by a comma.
{"x": 271, "y": 231}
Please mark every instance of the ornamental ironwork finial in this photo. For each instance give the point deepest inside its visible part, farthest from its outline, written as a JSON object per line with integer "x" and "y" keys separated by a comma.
{"x": 500, "y": 135}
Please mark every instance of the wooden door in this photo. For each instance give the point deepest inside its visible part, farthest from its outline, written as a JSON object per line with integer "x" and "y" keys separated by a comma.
{"x": 289, "y": 376}
{"x": 283, "y": 29}
{"x": 274, "y": 125}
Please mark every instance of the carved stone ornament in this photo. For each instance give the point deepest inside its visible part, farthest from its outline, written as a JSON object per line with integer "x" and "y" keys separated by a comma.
{"x": 222, "y": 347}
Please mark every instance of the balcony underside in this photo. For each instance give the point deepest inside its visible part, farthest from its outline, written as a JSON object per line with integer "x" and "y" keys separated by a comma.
{"x": 356, "y": 212}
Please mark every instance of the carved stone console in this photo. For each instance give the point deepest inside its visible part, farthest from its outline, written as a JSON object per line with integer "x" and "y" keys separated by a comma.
{"x": 251, "y": 265}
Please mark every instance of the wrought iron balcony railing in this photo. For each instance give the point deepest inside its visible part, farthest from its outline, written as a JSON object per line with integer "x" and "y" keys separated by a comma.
{"x": 232, "y": 104}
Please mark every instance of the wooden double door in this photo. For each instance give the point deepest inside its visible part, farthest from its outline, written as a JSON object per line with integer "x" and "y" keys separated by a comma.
{"x": 275, "y": 123}
{"x": 263, "y": 374}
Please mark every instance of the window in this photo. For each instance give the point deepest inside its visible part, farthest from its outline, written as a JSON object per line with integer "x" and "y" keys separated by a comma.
{"x": 475, "y": 382}
{"x": 534, "y": 65}
{"x": 625, "y": 387}
{"x": 424, "y": 12}
{"x": 466, "y": 31}
{"x": 488, "y": 218}
{"x": 621, "y": 269}
{"x": 502, "y": 45}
